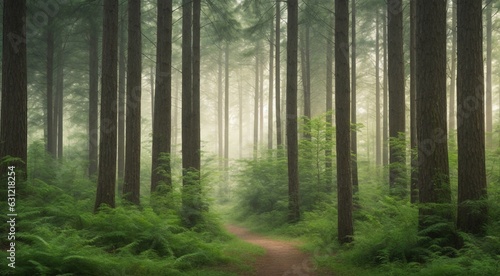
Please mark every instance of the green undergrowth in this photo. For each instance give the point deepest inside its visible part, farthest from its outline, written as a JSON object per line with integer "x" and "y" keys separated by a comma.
{"x": 387, "y": 239}
{"x": 57, "y": 233}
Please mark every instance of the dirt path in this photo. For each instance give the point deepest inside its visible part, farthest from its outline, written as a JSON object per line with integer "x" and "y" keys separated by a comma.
{"x": 281, "y": 258}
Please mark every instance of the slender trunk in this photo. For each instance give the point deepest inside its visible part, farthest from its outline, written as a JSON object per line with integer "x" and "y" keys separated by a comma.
{"x": 291, "y": 111}
{"x": 343, "y": 126}
{"x": 329, "y": 106}
{"x": 277, "y": 91}
{"x": 220, "y": 126}
{"x": 226, "y": 116}
{"x": 271, "y": 79}
{"x": 152, "y": 93}
{"x": 397, "y": 102}
{"x": 453, "y": 70}
{"x": 378, "y": 130}
{"x": 93, "y": 96}
{"x": 354, "y": 143}
{"x": 58, "y": 122}
{"x": 240, "y": 117}
{"x": 51, "y": 133}
{"x": 306, "y": 82}
{"x": 261, "y": 101}
{"x": 162, "y": 125}
{"x": 489, "y": 98}
{"x": 385, "y": 116}
{"x": 256, "y": 105}
{"x": 107, "y": 144}
{"x": 413, "y": 106}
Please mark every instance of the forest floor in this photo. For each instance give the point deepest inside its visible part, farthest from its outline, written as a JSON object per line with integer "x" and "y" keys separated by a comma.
{"x": 281, "y": 257}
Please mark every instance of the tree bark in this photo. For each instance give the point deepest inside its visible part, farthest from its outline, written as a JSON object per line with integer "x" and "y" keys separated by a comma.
{"x": 51, "y": 128}
{"x": 58, "y": 105}
{"x": 413, "y": 106}
{"x": 385, "y": 116}
{"x": 472, "y": 209}
{"x": 226, "y": 117}
{"x": 121, "y": 100}
{"x": 291, "y": 111}
{"x": 131, "y": 184}
{"x": 343, "y": 126}
{"x": 277, "y": 91}
{"x": 220, "y": 112}
{"x": 256, "y": 104}
{"x": 93, "y": 96}
{"x": 433, "y": 169}
{"x": 107, "y": 143}
{"x": 271, "y": 80}
{"x": 354, "y": 143}
{"x": 329, "y": 106}
{"x": 378, "y": 130}
{"x": 14, "y": 106}
{"x": 489, "y": 96}
{"x": 453, "y": 61}
{"x": 397, "y": 102}
{"x": 161, "y": 168}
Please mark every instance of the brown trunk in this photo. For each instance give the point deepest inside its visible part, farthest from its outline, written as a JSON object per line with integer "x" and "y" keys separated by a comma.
{"x": 131, "y": 184}
{"x": 354, "y": 143}
{"x": 343, "y": 126}
{"x": 453, "y": 61}
{"x": 256, "y": 105}
{"x": 472, "y": 210}
{"x": 385, "y": 116}
{"x": 433, "y": 169}
{"x": 220, "y": 112}
{"x": 121, "y": 101}
{"x": 51, "y": 128}
{"x": 271, "y": 79}
{"x": 291, "y": 112}
{"x": 304, "y": 62}
{"x": 107, "y": 143}
{"x": 277, "y": 91}
{"x": 58, "y": 105}
{"x": 161, "y": 169}
{"x": 489, "y": 96}
{"x": 413, "y": 106}
{"x": 397, "y": 102}
{"x": 226, "y": 116}
{"x": 93, "y": 96}
{"x": 378, "y": 130}
{"x": 329, "y": 106}
{"x": 14, "y": 119}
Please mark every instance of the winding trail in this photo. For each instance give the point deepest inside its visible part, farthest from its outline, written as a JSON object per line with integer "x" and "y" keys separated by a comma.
{"x": 281, "y": 258}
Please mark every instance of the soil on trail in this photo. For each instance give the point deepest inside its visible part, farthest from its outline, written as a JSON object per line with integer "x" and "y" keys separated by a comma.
{"x": 281, "y": 258}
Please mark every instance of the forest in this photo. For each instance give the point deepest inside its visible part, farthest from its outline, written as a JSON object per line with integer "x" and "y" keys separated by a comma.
{"x": 250, "y": 137}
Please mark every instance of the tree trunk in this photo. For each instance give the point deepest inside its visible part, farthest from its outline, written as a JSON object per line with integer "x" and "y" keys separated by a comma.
{"x": 291, "y": 111}
{"x": 453, "y": 61}
{"x": 58, "y": 105}
{"x": 93, "y": 96}
{"x": 472, "y": 209}
{"x": 397, "y": 102}
{"x": 271, "y": 79}
{"x": 413, "y": 106}
{"x": 489, "y": 98}
{"x": 240, "y": 117}
{"x": 378, "y": 130}
{"x": 277, "y": 91}
{"x": 14, "y": 106}
{"x": 161, "y": 168}
{"x": 354, "y": 143}
{"x": 343, "y": 126}
{"x": 434, "y": 177}
{"x": 107, "y": 143}
{"x": 51, "y": 128}
{"x": 191, "y": 193}
{"x": 220, "y": 112}
{"x": 306, "y": 81}
{"x": 385, "y": 115}
{"x": 329, "y": 106}
{"x": 121, "y": 101}
{"x": 131, "y": 184}
{"x": 256, "y": 105}
{"x": 152, "y": 93}
{"x": 226, "y": 118}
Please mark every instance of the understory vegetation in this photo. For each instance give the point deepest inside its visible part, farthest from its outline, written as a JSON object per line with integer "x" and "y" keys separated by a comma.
{"x": 387, "y": 239}
{"x": 58, "y": 233}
